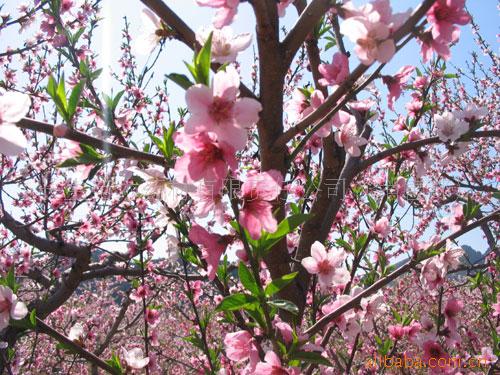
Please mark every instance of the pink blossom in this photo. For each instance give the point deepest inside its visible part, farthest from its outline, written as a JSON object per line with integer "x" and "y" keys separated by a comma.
{"x": 487, "y": 357}
{"x": 208, "y": 200}
{"x": 449, "y": 127}
{"x": 282, "y": 5}
{"x": 451, "y": 310}
{"x": 327, "y": 265}
{"x": 444, "y": 15}
{"x": 496, "y": 307}
{"x": 472, "y": 113}
{"x": 240, "y": 346}
{"x": 451, "y": 256}
{"x": 272, "y": 366}
{"x": 395, "y": 83}
{"x": 456, "y": 220}
{"x": 13, "y": 107}
{"x": 381, "y": 227}
{"x": 225, "y": 45}
{"x": 134, "y": 358}
{"x": 10, "y": 307}
{"x": 432, "y": 274}
{"x": 434, "y": 350}
{"x": 396, "y": 331}
{"x": 429, "y": 45}
{"x": 401, "y": 187}
{"x": 152, "y": 316}
{"x": 213, "y": 246}
{"x": 257, "y": 193}
{"x": 336, "y": 72}
{"x": 226, "y": 12}
{"x": 348, "y": 137}
{"x": 151, "y": 33}
{"x": 218, "y": 109}
{"x": 204, "y": 159}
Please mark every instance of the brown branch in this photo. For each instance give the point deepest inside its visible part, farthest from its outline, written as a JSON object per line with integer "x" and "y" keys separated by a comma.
{"x": 44, "y": 328}
{"x": 184, "y": 33}
{"x": 118, "y": 152}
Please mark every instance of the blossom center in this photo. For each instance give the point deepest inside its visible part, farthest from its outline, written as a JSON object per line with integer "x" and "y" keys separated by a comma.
{"x": 220, "y": 110}
{"x": 324, "y": 266}
{"x": 212, "y": 154}
{"x": 5, "y": 305}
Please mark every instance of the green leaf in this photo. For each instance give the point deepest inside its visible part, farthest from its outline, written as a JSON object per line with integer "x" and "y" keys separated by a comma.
{"x": 284, "y": 305}
{"x": 115, "y": 363}
{"x": 11, "y": 280}
{"x": 311, "y": 357}
{"x": 372, "y": 203}
{"x": 286, "y": 226}
{"x": 180, "y": 79}
{"x": 237, "y": 301}
{"x": 247, "y": 279}
{"x": 202, "y": 62}
{"x": 33, "y": 318}
{"x": 75, "y": 98}
{"x": 278, "y": 284}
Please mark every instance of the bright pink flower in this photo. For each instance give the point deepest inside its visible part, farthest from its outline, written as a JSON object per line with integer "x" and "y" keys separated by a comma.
{"x": 141, "y": 292}
{"x": 396, "y": 331}
{"x": 226, "y": 12}
{"x": 381, "y": 228}
{"x": 257, "y": 193}
{"x": 327, "y": 265}
{"x": 152, "y": 316}
{"x": 285, "y": 330}
{"x": 451, "y": 310}
{"x": 429, "y": 45}
{"x": 433, "y": 352}
{"x": 13, "y": 107}
{"x": 444, "y": 15}
{"x": 204, "y": 159}
{"x": 10, "y": 307}
{"x": 272, "y": 366}
{"x": 451, "y": 257}
{"x": 336, "y": 72}
{"x": 218, "y": 109}
{"x": 348, "y": 137}
{"x": 395, "y": 83}
{"x": 213, "y": 246}
{"x": 240, "y": 346}
{"x": 301, "y": 106}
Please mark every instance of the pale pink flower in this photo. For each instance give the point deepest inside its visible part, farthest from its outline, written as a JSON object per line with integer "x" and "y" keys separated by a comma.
{"x": 348, "y": 137}
{"x": 158, "y": 185}
{"x": 204, "y": 159}
{"x": 456, "y": 220}
{"x": 240, "y": 346}
{"x": 134, "y": 358}
{"x": 395, "y": 83}
{"x": 218, "y": 109}
{"x": 76, "y": 333}
{"x": 451, "y": 257}
{"x": 336, "y": 72}
{"x": 207, "y": 199}
{"x": 328, "y": 266}
{"x": 295, "y": 107}
{"x": 429, "y": 45}
{"x": 152, "y": 32}
{"x": 455, "y": 150}
{"x": 272, "y": 366}
{"x": 213, "y": 246}
{"x": 444, "y": 15}
{"x": 13, "y": 107}
{"x": 487, "y": 357}
{"x": 257, "y": 193}
{"x": 472, "y": 113}
{"x": 496, "y": 306}
{"x": 381, "y": 227}
{"x": 225, "y": 45}
{"x": 432, "y": 274}
{"x": 401, "y": 187}
{"x": 227, "y": 9}
{"x": 10, "y": 307}
{"x": 371, "y": 39}
{"x": 449, "y": 127}
{"x": 371, "y": 308}
{"x": 282, "y": 5}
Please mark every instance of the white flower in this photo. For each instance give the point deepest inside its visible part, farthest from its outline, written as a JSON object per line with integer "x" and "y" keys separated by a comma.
{"x": 156, "y": 184}
{"x": 152, "y": 34}
{"x": 135, "y": 358}
{"x": 225, "y": 45}
{"x": 10, "y": 307}
{"x": 449, "y": 127}
{"x": 13, "y": 107}
{"x": 76, "y": 332}
{"x": 472, "y": 113}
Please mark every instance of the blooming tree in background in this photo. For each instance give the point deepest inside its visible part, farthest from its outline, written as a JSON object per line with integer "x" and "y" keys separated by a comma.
{"x": 303, "y": 220}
